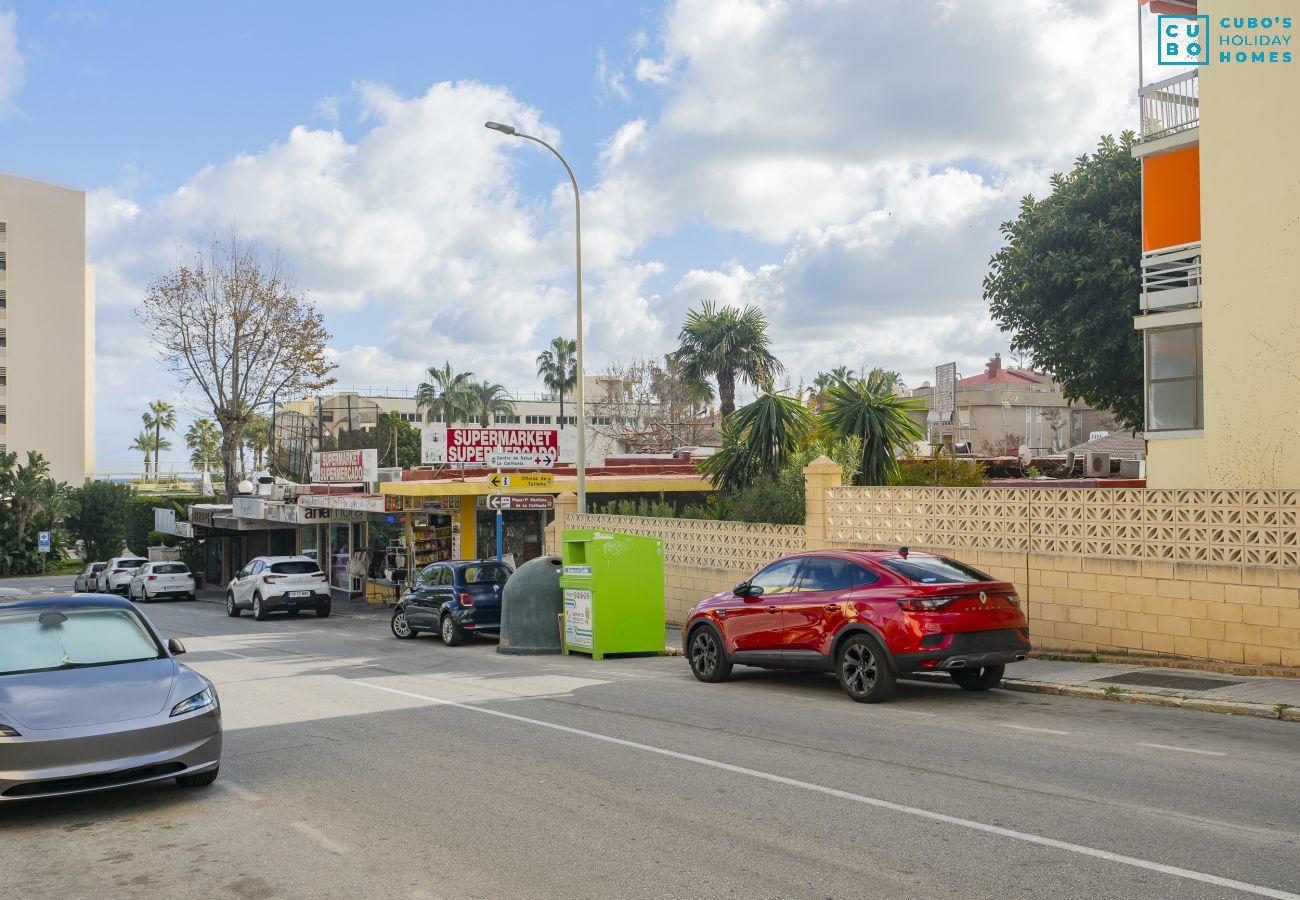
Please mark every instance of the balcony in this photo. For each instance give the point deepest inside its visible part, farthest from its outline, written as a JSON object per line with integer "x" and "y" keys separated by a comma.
{"x": 1171, "y": 278}
{"x": 1170, "y": 106}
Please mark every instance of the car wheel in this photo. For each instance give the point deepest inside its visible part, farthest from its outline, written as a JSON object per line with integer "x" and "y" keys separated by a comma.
{"x": 401, "y": 627}
{"x": 323, "y": 611}
{"x": 708, "y": 660}
{"x": 144, "y": 596}
{"x": 259, "y": 611}
{"x": 203, "y": 779}
{"x": 981, "y": 679}
{"x": 231, "y": 609}
{"x": 451, "y": 635}
{"x": 863, "y": 671}
{"x": 191, "y": 596}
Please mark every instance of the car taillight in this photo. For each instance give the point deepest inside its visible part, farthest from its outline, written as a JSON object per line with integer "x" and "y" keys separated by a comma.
{"x": 153, "y": 578}
{"x": 271, "y": 579}
{"x": 1013, "y": 599}
{"x": 119, "y": 572}
{"x": 925, "y": 604}
{"x": 466, "y": 600}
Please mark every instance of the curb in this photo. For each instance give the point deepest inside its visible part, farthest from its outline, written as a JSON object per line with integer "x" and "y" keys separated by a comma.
{"x": 1169, "y": 662}
{"x": 1200, "y": 704}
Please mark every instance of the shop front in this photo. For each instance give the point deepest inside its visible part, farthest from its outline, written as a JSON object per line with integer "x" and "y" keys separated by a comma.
{"x": 334, "y": 530}
{"x": 523, "y": 532}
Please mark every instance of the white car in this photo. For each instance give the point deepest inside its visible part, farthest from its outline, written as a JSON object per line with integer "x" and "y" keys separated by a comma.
{"x": 87, "y": 581}
{"x": 118, "y": 573}
{"x": 273, "y": 583}
{"x": 156, "y": 580}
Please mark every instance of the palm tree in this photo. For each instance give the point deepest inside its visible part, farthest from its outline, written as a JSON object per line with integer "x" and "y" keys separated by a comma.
{"x": 488, "y": 399}
{"x": 727, "y": 344}
{"x": 758, "y": 440}
{"x": 160, "y": 417}
{"x": 257, "y": 435}
{"x": 144, "y": 443}
{"x": 27, "y": 488}
{"x": 558, "y": 369}
{"x": 869, "y": 410}
{"x": 203, "y": 440}
{"x": 446, "y": 396}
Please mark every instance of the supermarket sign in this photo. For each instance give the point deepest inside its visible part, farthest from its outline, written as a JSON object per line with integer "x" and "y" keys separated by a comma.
{"x": 521, "y": 447}
{"x": 344, "y": 466}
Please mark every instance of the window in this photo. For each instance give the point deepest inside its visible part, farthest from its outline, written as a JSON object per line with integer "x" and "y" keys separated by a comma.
{"x": 537, "y": 420}
{"x": 327, "y": 415}
{"x": 934, "y": 570}
{"x": 600, "y": 420}
{"x": 297, "y": 567}
{"x": 427, "y": 578}
{"x": 826, "y": 573}
{"x": 492, "y": 573}
{"x": 444, "y": 577}
{"x": 4, "y": 415}
{"x": 4, "y": 298}
{"x": 1175, "y": 383}
{"x": 567, "y": 420}
{"x": 4, "y": 338}
{"x": 776, "y": 578}
{"x": 502, "y": 419}
{"x": 170, "y": 569}
{"x": 2, "y": 260}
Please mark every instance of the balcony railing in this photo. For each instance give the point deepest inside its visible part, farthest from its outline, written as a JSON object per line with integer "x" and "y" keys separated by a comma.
{"x": 1171, "y": 278}
{"x": 1170, "y": 106}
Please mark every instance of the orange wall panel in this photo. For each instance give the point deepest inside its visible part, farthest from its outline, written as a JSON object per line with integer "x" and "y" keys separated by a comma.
{"x": 1171, "y": 198}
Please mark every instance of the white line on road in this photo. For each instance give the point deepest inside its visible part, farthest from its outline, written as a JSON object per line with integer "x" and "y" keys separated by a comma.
{"x": 1025, "y": 836}
{"x": 1182, "y": 749}
{"x": 1035, "y": 730}
{"x": 316, "y": 835}
{"x": 233, "y": 653}
{"x": 239, "y": 791}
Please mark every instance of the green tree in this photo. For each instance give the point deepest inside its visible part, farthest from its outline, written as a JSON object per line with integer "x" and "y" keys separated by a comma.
{"x": 726, "y": 344}
{"x": 25, "y": 489}
{"x": 97, "y": 516}
{"x": 868, "y": 410}
{"x": 203, "y": 440}
{"x": 758, "y": 440}
{"x": 446, "y": 396}
{"x": 257, "y": 437}
{"x": 1067, "y": 282}
{"x": 781, "y": 500}
{"x": 487, "y": 400}
{"x": 144, "y": 443}
{"x": 161, "y": 416}
{"x": 408, "y": 441}
{"x": 558, "y": 369}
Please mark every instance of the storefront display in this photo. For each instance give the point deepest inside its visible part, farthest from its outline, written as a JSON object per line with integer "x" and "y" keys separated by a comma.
{"x": 523, "y": 534}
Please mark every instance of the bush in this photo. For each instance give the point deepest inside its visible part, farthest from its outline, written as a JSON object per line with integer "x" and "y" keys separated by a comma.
{"x": 781, "y": 501}
{"x": 942, "y": 470}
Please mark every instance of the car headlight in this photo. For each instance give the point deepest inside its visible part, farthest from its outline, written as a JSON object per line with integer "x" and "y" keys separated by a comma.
{"x": 202, "y": 700}
{"x": 6, "y": 731}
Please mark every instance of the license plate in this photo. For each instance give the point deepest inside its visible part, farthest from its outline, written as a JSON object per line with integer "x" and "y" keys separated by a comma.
{"x": 300, "y": 593}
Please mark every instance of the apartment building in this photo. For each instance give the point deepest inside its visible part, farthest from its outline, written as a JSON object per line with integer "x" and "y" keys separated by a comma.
{"x": 47, "y": 327}
{"x": 1220, "y": 245}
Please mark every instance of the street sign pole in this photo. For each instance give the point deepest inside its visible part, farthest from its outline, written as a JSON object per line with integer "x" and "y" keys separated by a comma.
{"x": 500, "y": 527}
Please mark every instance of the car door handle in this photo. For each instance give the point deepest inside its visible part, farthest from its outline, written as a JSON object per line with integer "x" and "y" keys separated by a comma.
{"x": 832, "y": 607}
{"x": 773, "y": 609}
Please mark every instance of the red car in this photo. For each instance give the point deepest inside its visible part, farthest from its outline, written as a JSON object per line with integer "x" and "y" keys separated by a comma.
{"x": 867, "y": 615}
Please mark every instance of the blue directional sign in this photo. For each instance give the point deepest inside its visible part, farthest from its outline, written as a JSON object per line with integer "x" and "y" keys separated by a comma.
{"x": 43, "y": 542}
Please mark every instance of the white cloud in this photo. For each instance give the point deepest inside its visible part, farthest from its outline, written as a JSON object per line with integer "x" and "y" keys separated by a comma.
{"x": 609, "y": 78}
{"x": 12, "y": 63}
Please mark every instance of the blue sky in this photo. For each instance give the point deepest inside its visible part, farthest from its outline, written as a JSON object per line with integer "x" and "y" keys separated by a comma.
{"x": 842, "y": 164}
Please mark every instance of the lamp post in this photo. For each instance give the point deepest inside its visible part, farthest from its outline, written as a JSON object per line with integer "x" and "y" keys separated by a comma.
{"x": 577, "y": 231}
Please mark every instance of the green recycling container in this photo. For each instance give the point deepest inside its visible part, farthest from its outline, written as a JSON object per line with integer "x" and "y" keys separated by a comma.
{"x": 613, "y": 586}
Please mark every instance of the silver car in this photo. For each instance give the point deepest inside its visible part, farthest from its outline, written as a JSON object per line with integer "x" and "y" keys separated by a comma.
{"x": 87, "y": 581}
{"x": 92, "y": 698}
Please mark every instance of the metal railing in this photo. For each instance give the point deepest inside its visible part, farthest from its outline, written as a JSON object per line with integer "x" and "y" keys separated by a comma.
{"x": 1171, "y": 278}
{"x": 1170, "y": 106}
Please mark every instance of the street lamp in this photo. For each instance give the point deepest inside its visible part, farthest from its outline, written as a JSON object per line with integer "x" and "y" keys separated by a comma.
{"x": 577, "y": 231}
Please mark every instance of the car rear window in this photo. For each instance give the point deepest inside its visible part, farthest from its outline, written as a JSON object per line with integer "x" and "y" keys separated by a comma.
{"x": 131, "y": 563}
{"x": 98, "y": 567}
{"x": 171, "y": 569}
{"x": 490, "y": 574}
{"x": 934, "y": 570}
{"x": 298, "y": 567}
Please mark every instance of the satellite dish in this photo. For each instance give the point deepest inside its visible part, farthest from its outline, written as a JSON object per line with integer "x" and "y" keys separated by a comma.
{"x": 244, "y": 487}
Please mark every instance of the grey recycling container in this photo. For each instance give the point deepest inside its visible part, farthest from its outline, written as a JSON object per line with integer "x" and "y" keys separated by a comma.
{"x": 530, "y": 608}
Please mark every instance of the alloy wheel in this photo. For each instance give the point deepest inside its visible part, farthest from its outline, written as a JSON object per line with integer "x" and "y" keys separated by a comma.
{"x": 401, "y": 627}
{"x": 704, "y": 653}
{"x": 448, "y": 629}
{"x": 859, "y": 669}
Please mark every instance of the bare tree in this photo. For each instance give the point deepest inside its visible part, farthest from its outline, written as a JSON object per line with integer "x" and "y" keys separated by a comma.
{"x": 648, "y": 406}
{"x": 236, "y": 329}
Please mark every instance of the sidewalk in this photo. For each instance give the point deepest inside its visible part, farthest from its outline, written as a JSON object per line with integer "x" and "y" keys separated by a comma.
{"x": 1244, "y": 695}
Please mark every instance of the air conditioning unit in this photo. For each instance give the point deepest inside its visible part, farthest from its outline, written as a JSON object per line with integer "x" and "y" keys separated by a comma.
{"x": 1097, "y": 464}
{"x": 392, "y": 473}
{"x": 1132, "y": 468}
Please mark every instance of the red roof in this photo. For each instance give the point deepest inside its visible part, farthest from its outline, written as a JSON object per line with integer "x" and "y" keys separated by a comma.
{"x": 994, "y": 374}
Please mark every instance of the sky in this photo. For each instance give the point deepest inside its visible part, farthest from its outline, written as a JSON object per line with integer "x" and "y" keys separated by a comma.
{"x": 843, "y": 165}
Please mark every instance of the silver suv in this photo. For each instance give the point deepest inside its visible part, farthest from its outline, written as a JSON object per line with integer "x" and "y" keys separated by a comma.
{"x": 274, "y": 583}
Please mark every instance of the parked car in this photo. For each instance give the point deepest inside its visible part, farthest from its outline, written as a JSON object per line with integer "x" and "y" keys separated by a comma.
{"x": 279, "y": 583}
{"x": 88, "y": 580}
{"x": 118, "y": 573}
{"x": 867, "y": 616}
{"x": 92, "y": 698}
{"x": 158, "y": 580}
{"x": 453, "y": 599}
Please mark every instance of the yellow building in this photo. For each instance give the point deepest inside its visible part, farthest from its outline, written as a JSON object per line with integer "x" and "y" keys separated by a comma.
{"x": 1221, "y": 253}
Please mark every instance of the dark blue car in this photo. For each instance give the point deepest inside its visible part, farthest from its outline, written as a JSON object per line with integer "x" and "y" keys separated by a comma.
{"x": 453, "y": 599}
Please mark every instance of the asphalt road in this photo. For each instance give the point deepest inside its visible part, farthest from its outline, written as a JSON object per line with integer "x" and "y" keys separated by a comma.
{"x": 357, "y": 765}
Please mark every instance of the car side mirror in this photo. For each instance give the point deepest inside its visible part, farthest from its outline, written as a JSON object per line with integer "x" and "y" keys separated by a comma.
{"x": 175, "y": 647}
{"x": 741, "y": 589}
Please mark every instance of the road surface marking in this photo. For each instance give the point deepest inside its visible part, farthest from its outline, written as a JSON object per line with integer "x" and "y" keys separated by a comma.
{"x": 238, "y": 655}
{"x": 239, "y": 791}
{"x": 905, "y": 712}
{"x": 1035, "y": 730}
{"x": 1183, "y": 749}
{"x": 1025, "y": 836}
{"x": 316, "y": 835}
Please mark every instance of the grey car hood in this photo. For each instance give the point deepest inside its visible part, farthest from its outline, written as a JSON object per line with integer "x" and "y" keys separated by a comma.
{"x": 76, "y": 698}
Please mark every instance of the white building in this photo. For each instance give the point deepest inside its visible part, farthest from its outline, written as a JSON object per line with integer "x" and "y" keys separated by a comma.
{"x": 47, "y": 327}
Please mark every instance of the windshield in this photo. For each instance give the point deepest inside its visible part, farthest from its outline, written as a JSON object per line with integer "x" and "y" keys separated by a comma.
{"x": 301, "y": 567}
{"x": 33, "y": 640}
{"x": 491, "y": 574}
{"x": 170, "y": 569}
{"x": 934, "y": 570}
{"x": 99, "y": 567}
